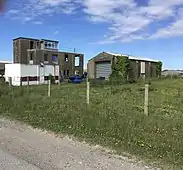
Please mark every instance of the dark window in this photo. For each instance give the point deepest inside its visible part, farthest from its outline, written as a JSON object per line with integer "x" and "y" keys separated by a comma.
{"x": 66, "y": 58}
{"x": 55, "y": 58}
{"x": 31, "y": 44}
{"x": 67, "y": 72}
{"x": 45, "y": 44}
{"x": 45, "y": 57}
{"x": 64, "y": 73}
{"x": 37, "y": 44}
{"x": 31, "y": 56}
{"x": 49, "y": 45}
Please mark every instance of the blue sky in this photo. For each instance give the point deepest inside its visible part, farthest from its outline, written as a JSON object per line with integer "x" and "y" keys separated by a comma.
{"x": 144, "y": 28}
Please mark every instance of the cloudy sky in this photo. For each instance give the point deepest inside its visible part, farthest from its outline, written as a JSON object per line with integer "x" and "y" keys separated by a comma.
{"x": 149, "y": 28}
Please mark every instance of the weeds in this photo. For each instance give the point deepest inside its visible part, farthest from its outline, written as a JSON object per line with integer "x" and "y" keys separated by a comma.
{"x": 114, "y": 118}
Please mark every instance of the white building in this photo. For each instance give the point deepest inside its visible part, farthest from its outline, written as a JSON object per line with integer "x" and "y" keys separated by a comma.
{"x": 22, "y": 74}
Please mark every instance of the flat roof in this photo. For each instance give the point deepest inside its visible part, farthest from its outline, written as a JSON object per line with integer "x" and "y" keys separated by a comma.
{"x": 27, "y": 38}
{"x": 132, "y": 57}
{"x": 6, "y": 62}
{"x": 71, "y": 52}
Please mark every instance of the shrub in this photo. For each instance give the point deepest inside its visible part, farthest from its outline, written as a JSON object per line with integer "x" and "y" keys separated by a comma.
{"x": 52, "y": 78}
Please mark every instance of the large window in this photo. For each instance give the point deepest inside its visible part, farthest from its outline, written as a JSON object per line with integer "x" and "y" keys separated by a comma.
{"x": 31, "y": 56}
{"x": 67, "y": 72}
{"x": 45, "y": 57}
{"x": 31, "y": 44}
{"x": 76, "y": 61}
{"x": 55, "y": 58}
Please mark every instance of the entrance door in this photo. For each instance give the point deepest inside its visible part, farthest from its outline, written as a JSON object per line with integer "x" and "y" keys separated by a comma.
{"x": 41, "y": 76}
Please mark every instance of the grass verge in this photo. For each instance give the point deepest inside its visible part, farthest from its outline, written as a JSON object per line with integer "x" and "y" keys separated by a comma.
{"x": 114, "y": 118}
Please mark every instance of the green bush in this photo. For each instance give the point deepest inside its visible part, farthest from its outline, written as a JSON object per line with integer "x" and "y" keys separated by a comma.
{"x": 52, "y": 78}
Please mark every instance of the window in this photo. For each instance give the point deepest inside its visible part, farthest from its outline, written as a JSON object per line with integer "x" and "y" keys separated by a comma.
{"x": 55, "y": 58}
{"x": 37, "y": 44}
{"x": 31, "y": 56}
{"x": 66, "y": 58}
{"x": 76, "y": 61}
{"x": 45, "y": 57}
{"x": 67, "y": 72}
{"x": 64, "y": 73}
{"x": 45, "y": 44}
{"x": 31, "y": 44}
{"x": 49, "y": 45}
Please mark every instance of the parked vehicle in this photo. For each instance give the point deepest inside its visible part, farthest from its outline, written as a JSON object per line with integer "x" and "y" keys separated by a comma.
{"x": 77, "y": 79}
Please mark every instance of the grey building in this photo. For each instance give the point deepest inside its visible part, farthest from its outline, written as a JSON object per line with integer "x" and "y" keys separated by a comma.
{"x": 36, "y": 51}
{"x": 100, "y": 66}
{"x": 2, "y": 66}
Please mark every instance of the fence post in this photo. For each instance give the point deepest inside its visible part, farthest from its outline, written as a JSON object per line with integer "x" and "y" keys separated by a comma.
{"x": 28, "y": 81}
{"x": 88, "y": 92}
{"x": 49, "y": 88}
{"x": 146, "y": 100}
{"x": 10, "y": 81}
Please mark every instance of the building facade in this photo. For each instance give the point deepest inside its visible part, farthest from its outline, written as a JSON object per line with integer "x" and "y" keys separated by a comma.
{"x": 46, "y": 52}
{"x": 71, "y": 63}
{"x": 29, "y": 74}
{"x": 100, "y": 66}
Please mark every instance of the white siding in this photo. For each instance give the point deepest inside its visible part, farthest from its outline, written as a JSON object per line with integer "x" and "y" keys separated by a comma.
{"x": 103, "y": 70}
{"x": 13, "y": 71}
{"x": 16, "y": 71}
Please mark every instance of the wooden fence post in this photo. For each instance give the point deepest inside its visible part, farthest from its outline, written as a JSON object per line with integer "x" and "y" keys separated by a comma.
{"x": 146, "y": 100}
{"x": 88, "y": 92}
{"x": 27, "y": 81}
{"x": 10, "y": 81}
{"x": 49, "y": 88}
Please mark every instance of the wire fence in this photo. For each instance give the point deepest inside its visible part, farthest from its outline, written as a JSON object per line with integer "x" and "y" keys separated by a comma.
{"x": 158, "y": 97}
{"x": 142, "y": 119}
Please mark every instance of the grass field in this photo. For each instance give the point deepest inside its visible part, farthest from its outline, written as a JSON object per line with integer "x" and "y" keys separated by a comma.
{"x": 114, "y": 117}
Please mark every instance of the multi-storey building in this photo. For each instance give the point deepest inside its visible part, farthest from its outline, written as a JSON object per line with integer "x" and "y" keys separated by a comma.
{"x": 46, "y": 52}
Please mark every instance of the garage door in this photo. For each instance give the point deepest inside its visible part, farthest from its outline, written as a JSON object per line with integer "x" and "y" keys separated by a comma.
{"x": 103, "y": 69}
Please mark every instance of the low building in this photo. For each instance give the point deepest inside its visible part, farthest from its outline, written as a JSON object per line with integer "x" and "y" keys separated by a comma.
{"x": 171, "y": 73}
{"x": 36, "y": 51}
{"x": 100, "y": 66}
{"x": 23, "y": 74}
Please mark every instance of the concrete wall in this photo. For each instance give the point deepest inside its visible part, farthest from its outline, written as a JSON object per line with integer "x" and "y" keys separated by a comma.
{"x": 32, "y": 74}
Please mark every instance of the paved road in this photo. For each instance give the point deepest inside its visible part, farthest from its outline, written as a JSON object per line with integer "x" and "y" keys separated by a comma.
{"x": 23, "y": 147}
{"x": 10, "y": 162}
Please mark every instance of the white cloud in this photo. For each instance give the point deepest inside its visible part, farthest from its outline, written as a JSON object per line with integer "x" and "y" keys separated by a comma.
{"x": 126, "y": 20}
{"x": 13, "y": 11}
{"x": 36, "y": 9}
{"x": 37, "y": 22}
{"x": 175, "y": 29}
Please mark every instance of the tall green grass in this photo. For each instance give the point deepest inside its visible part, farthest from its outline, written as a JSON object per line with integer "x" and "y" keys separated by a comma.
{"x": 114, "y": 117}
